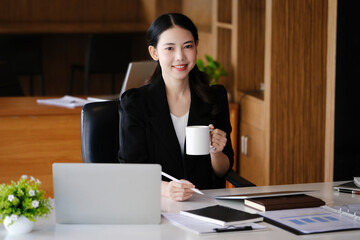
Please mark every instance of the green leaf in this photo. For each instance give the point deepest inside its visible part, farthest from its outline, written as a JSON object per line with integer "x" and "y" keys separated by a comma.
{"x": 209, "y": 59}
{"x": 200, "y": 64}
{"x": 212, "y": 65}
{"x": 213, "y": 69}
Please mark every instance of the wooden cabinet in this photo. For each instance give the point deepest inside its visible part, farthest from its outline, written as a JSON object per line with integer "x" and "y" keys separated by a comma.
{"x": 289, "y": 46}
{"x": 238, "y": 38}
{"x": 252, "y": 155}
{"x": 252, "y": 140}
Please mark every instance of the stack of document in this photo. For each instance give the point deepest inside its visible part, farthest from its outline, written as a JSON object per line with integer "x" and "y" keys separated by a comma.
{"x": 215, "y": 218}
{"x": 66, "y": 101}
{"x": 202, "y": 227}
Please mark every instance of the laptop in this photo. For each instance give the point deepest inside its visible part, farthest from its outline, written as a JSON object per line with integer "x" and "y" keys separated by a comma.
{"x": 94, "y": 193}
{"x": 137, "y": 74}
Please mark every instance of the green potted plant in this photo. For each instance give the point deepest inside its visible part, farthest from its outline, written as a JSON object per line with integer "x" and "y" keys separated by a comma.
{"x": 21, "y": 203}
{"x": 213, "y": 69}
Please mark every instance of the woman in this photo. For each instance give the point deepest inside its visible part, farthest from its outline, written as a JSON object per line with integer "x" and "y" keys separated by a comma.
{"x": 154, "y": 117}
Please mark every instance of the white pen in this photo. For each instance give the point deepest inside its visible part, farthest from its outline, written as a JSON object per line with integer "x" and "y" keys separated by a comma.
{"x": 177, "y": 180}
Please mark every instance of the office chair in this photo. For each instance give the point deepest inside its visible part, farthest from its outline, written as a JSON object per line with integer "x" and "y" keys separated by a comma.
{"x": 24, "y": 54}
{"x": 100, "y": 123}
{"x": 100, "y": 132}
{"x": 105, "y": 54}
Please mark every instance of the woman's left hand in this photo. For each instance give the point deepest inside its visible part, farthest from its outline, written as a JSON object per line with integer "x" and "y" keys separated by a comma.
{"x": 217, "y": 139}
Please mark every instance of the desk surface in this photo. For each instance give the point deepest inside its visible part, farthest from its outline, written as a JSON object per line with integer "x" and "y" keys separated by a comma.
{"x": 30, "y": 134}
{"x": 47, "y": 229}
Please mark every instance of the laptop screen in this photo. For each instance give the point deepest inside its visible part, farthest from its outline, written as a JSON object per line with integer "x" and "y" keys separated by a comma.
{"x": 137, "y": 74}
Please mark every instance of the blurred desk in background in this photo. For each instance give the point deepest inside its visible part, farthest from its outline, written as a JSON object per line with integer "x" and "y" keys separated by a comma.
{"x": 33, "y": 136}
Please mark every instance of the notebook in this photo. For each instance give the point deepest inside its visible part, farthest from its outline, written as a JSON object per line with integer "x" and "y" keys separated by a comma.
{"x": 262, "y": 194}
{"x": 222, "y": 215}
{"x": 284, "y": 202}
{"x": 96, "y": 193}
{"x": 137, "y": 74}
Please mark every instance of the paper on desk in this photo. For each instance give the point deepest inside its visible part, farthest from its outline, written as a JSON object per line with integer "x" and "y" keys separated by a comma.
{"x": 312, "y": 220}
{"x": 357, "y": 181}
{"x": 66, "y": 101}
{"x": 104, "y": 98}
{"x": 200, "y": 227}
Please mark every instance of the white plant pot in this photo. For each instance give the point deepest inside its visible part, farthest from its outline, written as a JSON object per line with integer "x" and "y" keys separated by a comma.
{"x": 20, "y": 226}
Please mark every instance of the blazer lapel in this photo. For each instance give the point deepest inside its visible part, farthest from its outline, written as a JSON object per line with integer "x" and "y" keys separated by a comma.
{"x": 199, "y": 111}
{"x": 160, "y": 118}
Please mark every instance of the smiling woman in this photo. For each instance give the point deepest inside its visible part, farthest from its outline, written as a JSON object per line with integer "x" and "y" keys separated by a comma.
{"x": 178, "y": 95}
{"x": 176, "y": 53}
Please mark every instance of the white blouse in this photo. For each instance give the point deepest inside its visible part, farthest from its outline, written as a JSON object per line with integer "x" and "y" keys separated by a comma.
{"x": 180, "y": 124}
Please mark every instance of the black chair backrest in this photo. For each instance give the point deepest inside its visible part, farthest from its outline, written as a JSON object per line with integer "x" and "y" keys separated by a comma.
{"x": 100, "y": 132}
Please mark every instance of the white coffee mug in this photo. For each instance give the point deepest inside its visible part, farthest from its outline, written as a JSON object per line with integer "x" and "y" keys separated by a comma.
{"x": 197, "y": 140}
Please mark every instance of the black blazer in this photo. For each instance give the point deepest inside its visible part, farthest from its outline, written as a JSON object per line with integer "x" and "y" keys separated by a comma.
{"x": 147, "y": 133}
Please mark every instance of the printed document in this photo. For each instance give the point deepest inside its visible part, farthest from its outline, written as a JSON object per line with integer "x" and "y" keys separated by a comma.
{"x": 312, "y": 220}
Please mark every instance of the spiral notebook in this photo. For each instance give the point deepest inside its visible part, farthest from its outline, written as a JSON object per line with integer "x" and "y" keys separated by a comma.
{"x": 316, "y": 220}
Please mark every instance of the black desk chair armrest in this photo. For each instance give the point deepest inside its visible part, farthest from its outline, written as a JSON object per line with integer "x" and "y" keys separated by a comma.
{"x": 238, "y": 181}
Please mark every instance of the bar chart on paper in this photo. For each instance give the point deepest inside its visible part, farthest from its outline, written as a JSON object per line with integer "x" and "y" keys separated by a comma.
{"x": 312, "y": 220}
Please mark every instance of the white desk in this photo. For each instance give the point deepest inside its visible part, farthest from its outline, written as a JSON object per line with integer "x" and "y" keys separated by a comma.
{"x": 47, "y": 229}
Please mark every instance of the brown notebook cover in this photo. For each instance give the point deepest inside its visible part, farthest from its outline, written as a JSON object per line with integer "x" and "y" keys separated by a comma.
{"x": 284, "y": 202}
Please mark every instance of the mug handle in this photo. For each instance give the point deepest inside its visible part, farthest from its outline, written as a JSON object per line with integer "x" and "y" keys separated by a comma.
{"x": 212, "y": 148}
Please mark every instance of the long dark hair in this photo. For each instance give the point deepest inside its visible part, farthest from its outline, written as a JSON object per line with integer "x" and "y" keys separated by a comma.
{"x": 198, "y": 80}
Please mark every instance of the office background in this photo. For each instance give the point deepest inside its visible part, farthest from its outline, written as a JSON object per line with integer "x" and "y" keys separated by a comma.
{"x": 302, "y": 128}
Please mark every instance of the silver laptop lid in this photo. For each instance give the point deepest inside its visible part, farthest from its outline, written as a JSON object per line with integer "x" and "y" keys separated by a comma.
{"x": 107, "y": 193}
{"x": 137, "y": 74}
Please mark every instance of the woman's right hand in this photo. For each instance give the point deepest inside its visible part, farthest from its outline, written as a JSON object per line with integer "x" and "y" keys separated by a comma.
{"x": 177, "y": 191}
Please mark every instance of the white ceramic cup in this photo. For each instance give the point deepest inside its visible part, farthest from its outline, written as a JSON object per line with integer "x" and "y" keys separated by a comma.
{"x": 197, "y": 140}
